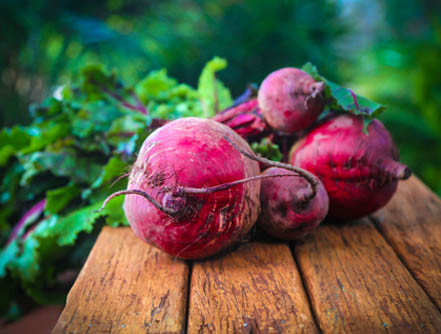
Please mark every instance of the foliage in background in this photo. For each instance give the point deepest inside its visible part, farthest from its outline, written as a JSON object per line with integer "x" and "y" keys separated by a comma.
{"x": 43, "y": 42}
{"x": 400, "y": 67}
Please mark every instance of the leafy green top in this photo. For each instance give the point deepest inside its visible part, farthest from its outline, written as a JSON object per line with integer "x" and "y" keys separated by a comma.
{"x": 80, "y": 141}
{"x": 344, "y": 99}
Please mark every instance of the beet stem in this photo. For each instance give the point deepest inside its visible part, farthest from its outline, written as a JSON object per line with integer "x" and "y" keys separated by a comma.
{"x": 155, "y": 203}
{"x": 398, "y": 170}
{"x": 305, "y": 174}
{"x": 227, "y": 185}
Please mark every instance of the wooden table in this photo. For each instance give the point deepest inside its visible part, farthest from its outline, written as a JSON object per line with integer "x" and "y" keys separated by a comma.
{"x": 378, "y": 274}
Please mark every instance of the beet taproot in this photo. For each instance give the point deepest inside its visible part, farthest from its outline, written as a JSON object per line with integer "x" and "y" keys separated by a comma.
{"x": 359, "y": 171}
{"x": 246, "y": 119}
{"x": 286, "y": 210}
{"x": 186, "y": 192}
{"x": 290, "y": 99}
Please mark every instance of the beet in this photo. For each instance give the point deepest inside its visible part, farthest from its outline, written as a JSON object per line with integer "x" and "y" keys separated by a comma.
{"x": 186, "y": 192}
{"x": 287, "y": 212}
{"x": 246, "y": 119}
{"x": 359, "y": 171}
{"x": 290, "y": 99}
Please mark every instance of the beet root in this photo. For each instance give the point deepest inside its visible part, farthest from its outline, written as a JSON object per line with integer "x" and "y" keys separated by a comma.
{"x": 246, "y": 119}
{"x": 290, "y": 99}
{"x": 182, "y": 195}
{"x": 360, "y": 172}
{"x": 286, "y": 211}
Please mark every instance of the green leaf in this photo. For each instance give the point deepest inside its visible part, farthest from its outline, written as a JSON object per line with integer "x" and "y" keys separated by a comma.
{"x": 77, "y": 144}
{"x": 7, "y": 255}
{"x": 58, "y": 199}
{"x": 67, "y": 163}
{"x": 267, "y": 149}
{"x": 213, "y": 94}
{"x": 114, "y": 168}
{"x": 95, "y": 117}
{"x": 344, "y": 99}
{"x": 11, "y": 141}
{"x": 68, "y": 228}
{"x": 154, "y": 85}
{"x": 127, "y": 124}
{"x": 115, "y": 213}
{"x": 95, "y": 81}
{"x": 46, "y": 134}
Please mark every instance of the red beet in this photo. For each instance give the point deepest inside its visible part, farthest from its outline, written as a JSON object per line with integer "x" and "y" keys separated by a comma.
{"x": 287, "y": 212}
{"x": 246, "y": 119}
{"x": 360, "y": 172}
{"x": 182, "y": 195}
{"x": 290, "y": 99}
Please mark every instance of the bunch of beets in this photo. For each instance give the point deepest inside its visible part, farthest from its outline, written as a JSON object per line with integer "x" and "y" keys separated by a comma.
{"x": 197, "y": 188}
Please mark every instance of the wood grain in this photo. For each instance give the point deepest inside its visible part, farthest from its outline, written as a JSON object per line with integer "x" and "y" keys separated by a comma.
{"x": 357, "y": 284}
{"x": 126, "y": 286}
{"x": 411, "y": 223}
{"x": 255, "y": 289}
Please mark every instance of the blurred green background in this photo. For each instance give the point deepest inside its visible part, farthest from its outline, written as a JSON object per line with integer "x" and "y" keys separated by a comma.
{"x": 385, "y": 50}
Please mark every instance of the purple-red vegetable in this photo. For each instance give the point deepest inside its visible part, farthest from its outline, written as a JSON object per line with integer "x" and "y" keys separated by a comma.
{"x": 186, "y": 192}
{"x": 288, "y": 212}
{"x": 290, "y": 99}
{"x": 245, "y": 118}
{"x": 359, "y": 171}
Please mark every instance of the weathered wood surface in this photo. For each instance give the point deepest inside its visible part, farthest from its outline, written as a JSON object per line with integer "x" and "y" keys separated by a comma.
{"x": 126, "y": 286}
{"x": 411, "y": 223}
{"x": 255, "y": 289}
{"x": 357, "y": 284}
{"x": 378, "y": 274}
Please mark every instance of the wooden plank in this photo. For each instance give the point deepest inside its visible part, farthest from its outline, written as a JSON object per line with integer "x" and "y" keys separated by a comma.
{"x": 255, "y": 289}
{"x": 411, "y": 223}
{"x": 357, "y": 284}
{"x": 126, "y": 286}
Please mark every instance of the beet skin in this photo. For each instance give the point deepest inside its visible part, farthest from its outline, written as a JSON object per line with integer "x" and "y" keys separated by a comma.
{"x": 287, "y": 211}
{"x": 192, "y": 153}
{"x": 290, "y": 99}
{"x": 360, "y": 172}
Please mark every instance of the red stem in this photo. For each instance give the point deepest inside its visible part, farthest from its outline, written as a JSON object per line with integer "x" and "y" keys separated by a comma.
{"x": 33, "y": 212}
{"x": 311, "y": 178}
{"x": 181, "y": 190}
{"x": 227, "y": 185}
{"x": 139, "y": 106}
{"x": 354, "y": 97}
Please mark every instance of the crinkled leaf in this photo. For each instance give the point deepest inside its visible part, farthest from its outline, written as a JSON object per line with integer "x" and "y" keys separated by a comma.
{"x": 128, "y": 147}
{"x": 68, "y": 228}
{"x": 213, "y": 94}
{"x": 7, "y": 255}
{"x": 129, "y": 124}
{"x": 154, "y": 85}
{"x": 27, "y": 263}
{"x": 66, "y": 163}
{"x": 45, "y": 135}
{"x": 10, "y": 183}
{"x": 344, "y": 99}
{"x": 267, "y": 149}
{"x": 95, "y": 117}
{"x": 95, "y": 81}
{"x": 59, "y": 198}
{"x": 114, "y": 168}
{"x": 115, "y": 213}
{"x": 11, "y": 141}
